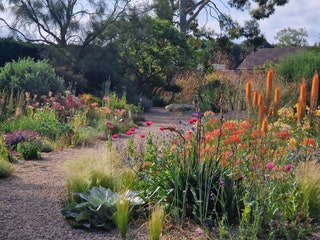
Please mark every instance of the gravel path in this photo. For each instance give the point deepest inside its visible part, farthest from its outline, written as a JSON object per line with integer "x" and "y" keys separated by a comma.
{"x": 31, "y": 199}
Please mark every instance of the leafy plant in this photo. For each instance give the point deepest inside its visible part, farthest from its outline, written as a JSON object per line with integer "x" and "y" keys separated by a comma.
{"x": 29, "y": 150}
{"x": 97, "y": 207}
{"x": 14, "y": 138}
{"x": 6, "y": 168}
{"x": 27, "y": 75}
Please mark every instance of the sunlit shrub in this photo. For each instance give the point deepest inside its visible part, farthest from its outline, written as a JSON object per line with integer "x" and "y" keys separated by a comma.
{"x": 6, "y": 168}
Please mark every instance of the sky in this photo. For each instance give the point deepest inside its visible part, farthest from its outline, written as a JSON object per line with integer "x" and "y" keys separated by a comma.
{"x": 295, "y": 14}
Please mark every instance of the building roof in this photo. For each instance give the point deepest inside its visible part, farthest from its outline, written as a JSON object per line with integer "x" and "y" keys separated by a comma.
{"x": 258, "y": 58}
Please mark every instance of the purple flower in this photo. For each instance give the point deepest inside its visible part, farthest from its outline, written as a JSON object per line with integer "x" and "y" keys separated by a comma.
{"x": 288, "y": 167}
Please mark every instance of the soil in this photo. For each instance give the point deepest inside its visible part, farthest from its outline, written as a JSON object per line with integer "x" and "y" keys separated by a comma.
{"x": 32, "y": 198}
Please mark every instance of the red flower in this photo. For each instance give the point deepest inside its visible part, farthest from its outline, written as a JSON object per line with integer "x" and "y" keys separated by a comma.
{"x": 148, "y": 123}
{"x": 193, "y": 120}
{"x": 108, "y": 123}
{"x": 284, "y": 135}
{"x": 142, "y": 135}
{"x": 115, "y": 135}
{"x": 129, "y": 133}
{"x": 162, "y": 128}
{"x": 111, "y": 127}
{"x": 132, "y": 129}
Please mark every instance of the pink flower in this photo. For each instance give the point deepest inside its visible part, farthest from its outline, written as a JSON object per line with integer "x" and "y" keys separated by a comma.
{"x": 115, "y": 136}
{"x": 148, "y": 123}
{"x": 111, "y": 127}
{"x": 132, "y": 129}
{"x": 270, "y": 165}
{"x": 129, "y": 132}
{"x": 108, "y": 123}
{"x": 142, "y": 135}
{"x": 193, "y": 120}
{"x": 162, "y": 128}
{"x": 288, "y": 167}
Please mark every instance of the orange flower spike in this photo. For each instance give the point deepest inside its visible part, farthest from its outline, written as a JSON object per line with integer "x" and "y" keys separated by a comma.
{"x": 303, "y": 91}
{"x": 300, "y": 111}
{"x": 269, "y": 83}
{"x": 314, "y": 92}
{"x": 255, "y": 98}
{"x": 277, "y": 95}
{"x": 276, "y": 100}
{"x": 264, "y": 127}
{"x": 248, "y": 94}
{"x": 260, "y": 100}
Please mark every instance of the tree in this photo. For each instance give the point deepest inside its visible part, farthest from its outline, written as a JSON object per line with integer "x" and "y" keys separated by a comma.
{"x": 290, "y": 37}
{"x": 188, "y": 10}
{"x": 253, "y": 35}
{"x": 151, "y": 52}
{"x": 62, "y": 22}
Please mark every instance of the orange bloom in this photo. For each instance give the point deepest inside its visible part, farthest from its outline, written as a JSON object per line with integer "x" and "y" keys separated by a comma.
{"x": 284, "y": 135}
{"x": 309, "y": 142}
{"x": 214, "y": 133}
{"x": 233, "y": 139}
{"x": 229, "y": 125}
{"x": 245, "y": 125}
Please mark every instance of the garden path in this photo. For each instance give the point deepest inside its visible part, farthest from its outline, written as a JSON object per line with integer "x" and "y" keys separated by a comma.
{"x": 31, "y": 199}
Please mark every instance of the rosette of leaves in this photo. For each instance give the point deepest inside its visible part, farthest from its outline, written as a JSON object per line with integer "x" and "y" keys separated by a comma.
{"x": 97, "y": 208}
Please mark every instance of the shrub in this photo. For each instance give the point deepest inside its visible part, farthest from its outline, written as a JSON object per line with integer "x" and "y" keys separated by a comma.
{"x": 6, "y": 168}
{"x": 295, "y": 66}
{"x": 29, "y": 150}
{"x": 44, "y": 122}
{"x": 14, "y": 138}
{"x": 26, "y": 75}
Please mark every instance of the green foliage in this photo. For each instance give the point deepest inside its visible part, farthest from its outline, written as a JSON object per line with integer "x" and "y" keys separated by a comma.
{"x": 6, "y": 168}
{"x": 3, "y": 149}
{"x": 156, "y": 222}
{"x": 26, "y": 75}
{"x": 308, "y": 179}
{"x": 44, "y": 121}
{"x": 97, "y": 208}
{"x": 121, "y": 216}
{"x": 292, "y": 68}
{"x": 29, "y": 150}
{"x": 97, "y": 169}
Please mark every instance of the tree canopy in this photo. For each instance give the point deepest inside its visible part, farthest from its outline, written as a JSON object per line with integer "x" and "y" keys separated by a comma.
{"x": 290, "y": 37}
{"x": 188, "y": 10}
